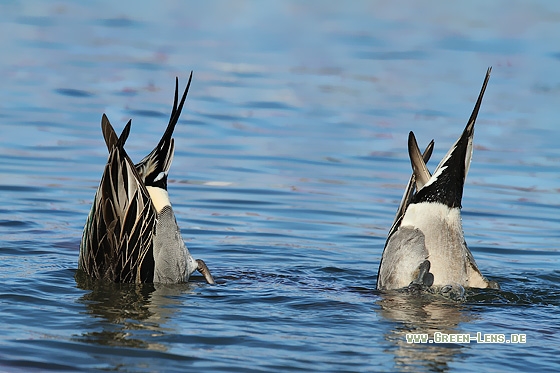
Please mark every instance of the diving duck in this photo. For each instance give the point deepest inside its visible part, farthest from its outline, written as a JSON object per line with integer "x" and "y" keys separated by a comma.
{"x": 426, "y": 246}
{"x": 131, "y": 233}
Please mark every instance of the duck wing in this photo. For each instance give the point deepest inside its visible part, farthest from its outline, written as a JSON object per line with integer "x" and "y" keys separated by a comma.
{"x": 410, "y": 187}
{"x": 117, "y": 242}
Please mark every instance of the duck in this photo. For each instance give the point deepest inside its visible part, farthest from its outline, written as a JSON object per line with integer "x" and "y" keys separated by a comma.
{"x": 425, "y": 246}
{"x": 131, "y": 233}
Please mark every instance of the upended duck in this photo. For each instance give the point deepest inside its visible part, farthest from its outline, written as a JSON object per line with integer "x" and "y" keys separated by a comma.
{"x": 131, "y": 234}
{"x": 425, "y": 245}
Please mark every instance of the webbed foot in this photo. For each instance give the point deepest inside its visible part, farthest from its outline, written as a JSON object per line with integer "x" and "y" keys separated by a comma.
{"x": 203, "y": 269}
{"x": 423, "y": 275}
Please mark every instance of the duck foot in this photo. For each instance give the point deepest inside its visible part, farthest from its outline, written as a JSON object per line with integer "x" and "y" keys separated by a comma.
{"x": 203, "y": 269}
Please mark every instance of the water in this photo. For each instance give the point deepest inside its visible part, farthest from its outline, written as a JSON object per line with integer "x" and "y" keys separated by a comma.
{"x": 290, "y": 162}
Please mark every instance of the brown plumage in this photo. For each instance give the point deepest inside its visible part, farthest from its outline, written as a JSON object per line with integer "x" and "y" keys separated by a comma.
{"x": 131, "y": 234}
{"x": 117, "y": 238}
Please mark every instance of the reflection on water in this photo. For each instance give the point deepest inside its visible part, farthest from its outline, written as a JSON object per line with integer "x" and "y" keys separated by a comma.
{"x": 131, "y": 315}
{"x": 290, "y": 161}
{"x": 422, "y": 314}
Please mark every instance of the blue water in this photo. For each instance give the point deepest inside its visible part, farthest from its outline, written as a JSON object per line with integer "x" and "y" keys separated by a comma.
{"x": 290, "y": 163}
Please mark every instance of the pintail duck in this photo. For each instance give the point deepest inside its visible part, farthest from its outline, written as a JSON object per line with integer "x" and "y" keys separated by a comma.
{"x": 131, "y": 234}
{"x": 426, "y": 246}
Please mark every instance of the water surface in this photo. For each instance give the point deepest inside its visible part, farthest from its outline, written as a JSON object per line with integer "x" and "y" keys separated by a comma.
{"x": 290, "y": 163}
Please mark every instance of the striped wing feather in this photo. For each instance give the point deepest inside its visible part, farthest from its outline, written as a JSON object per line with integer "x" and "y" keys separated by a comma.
{"x": 117, "y": 240}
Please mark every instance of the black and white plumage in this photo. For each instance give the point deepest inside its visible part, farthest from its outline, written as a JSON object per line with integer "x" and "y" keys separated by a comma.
{"x": 131, "y": 234}
{"x": 426, "y": 245}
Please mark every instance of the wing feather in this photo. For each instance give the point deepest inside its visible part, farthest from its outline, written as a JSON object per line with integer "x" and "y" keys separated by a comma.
{"x": 118, "y": 235}
{"x": 409, "y": 190}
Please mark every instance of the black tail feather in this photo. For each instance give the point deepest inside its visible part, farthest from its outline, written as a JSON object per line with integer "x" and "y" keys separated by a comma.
{"x": 159, "y": 159}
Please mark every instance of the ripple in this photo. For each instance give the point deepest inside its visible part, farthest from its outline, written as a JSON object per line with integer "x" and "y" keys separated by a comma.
{"x": 17, "y": 224}
{"x": 73, "y": 92}
{"x": 392, "y": 55}
{"x": 269, "y": 105}
{"x": 290, "y": 163}
{"x": 147, "y": 113}
{"x": 120, "y": 22}
{"x": 501, "y": 46}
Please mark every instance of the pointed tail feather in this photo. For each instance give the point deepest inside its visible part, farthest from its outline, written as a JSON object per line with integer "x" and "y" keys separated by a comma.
{"x": 159, "y": 160}
{"x": 469, "y": 129}
{"x": 472, "y": 119}
{"x": 409, "y": 190}
{"x": 110, "y": 135}
{"x": 447, "y": 182}
{"x": 420, "y": 171}
{"x": 108, "y": 132}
